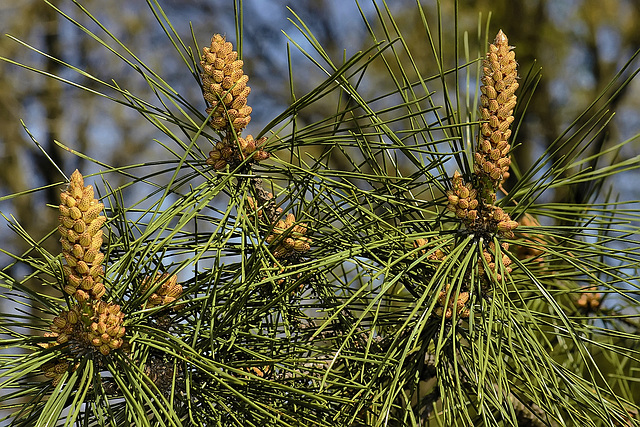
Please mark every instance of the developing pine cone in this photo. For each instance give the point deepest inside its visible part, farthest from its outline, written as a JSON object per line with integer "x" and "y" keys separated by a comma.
{"x": 228, "y": 151}
{"x": 590, "y": 301}
{"x": 169, "y": 291}
{"x": 95, "y": 326}
{"x": 105, "y": 331}
{"x": 498, "y": 221}
{"x": 55, "y": 369}
{"x": 446, "y": 308}
{"x": 67, "y": 326}
{"x": 498, "y": 101}
{"x": 224, "y": 86}
{"x": 462, "y": 199}
{"x": 289, "y": 238}
{"x": 489, "y": 255}
{"x": 80, "y": 227}
{"x": 436, "y": 255}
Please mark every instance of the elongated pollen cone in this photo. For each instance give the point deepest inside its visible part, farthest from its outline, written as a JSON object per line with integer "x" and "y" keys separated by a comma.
{"x": 491, "y": 159}
{"x": 81, "y": 229}
{"x": 224, "y": 86}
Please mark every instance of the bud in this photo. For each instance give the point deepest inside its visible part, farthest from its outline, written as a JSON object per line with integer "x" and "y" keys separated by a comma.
{"x": 75, "y": 213}
{"x": 301, "y": 246}
{"x": 60, "y": 322}
{"x": 86, "y": 283}
{"x": 73, "y": 316}
{"x": 165, "y": 290}
{"x": 507, "y": 225}
{"x": 87, "y": 198}
{"x": 98, "y": 290}
{"x": 82, "y": 268}
{"x": 92, "y": 213}
{"x": 77, "y": 251}
{"x": 81, "y": 296}
{"x": 79, "y": 226}
{"x": 66, "y": 221}
{"x": 288, "y": 239}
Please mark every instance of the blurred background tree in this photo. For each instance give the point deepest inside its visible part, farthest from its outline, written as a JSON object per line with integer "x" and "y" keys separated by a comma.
{"x": 580, "y": 45}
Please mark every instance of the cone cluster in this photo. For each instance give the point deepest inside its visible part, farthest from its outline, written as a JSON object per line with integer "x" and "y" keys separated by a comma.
{"x": 589, "y": 301}
{"x": 62, "y": 329}
{"x": 474, "y": 202}
{"x": 230, "y": 152}
{"x": 166, "y": 290}
{"x": 97, "y": 326}
{"x": 446, "y": 308}
{"x": 288, "y": 238}
{"x": 81, "y": 230}
{"x": 225, "y": 89}
{"x": 496, "y": 220}
{"x": 463, "y": 199}
{"x": 491, "y": 159}
{"x": 91, "y": 324}
{"x": 436, "y": 255}
{"x": 105, "y": 330}
{"x": 224, "y": 86}
{"x": 67, "y": 325}
{"x": 489, "y": 254}
{"x": 55, "y": 369}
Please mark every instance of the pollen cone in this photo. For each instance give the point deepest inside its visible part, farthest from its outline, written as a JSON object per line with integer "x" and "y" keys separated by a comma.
{"x": 491, "y": 159}
{"x": 167, "y": 292}
{"x": 81, "y": 230}
{"x": 288, "y": 238}
{"x": 224, "y": 86}
{"x": 106, "y": 330}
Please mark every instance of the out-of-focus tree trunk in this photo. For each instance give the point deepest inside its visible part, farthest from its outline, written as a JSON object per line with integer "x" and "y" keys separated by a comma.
{"x": 13, "y": 178}
{"x": 52, "y": 103}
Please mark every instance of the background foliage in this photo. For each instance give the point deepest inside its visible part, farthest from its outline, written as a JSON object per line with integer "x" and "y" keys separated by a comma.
{"x": 364, "y": 142}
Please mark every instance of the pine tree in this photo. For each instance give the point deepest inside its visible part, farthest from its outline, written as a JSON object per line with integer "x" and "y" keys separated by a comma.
{"x": 425, "y": 285}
